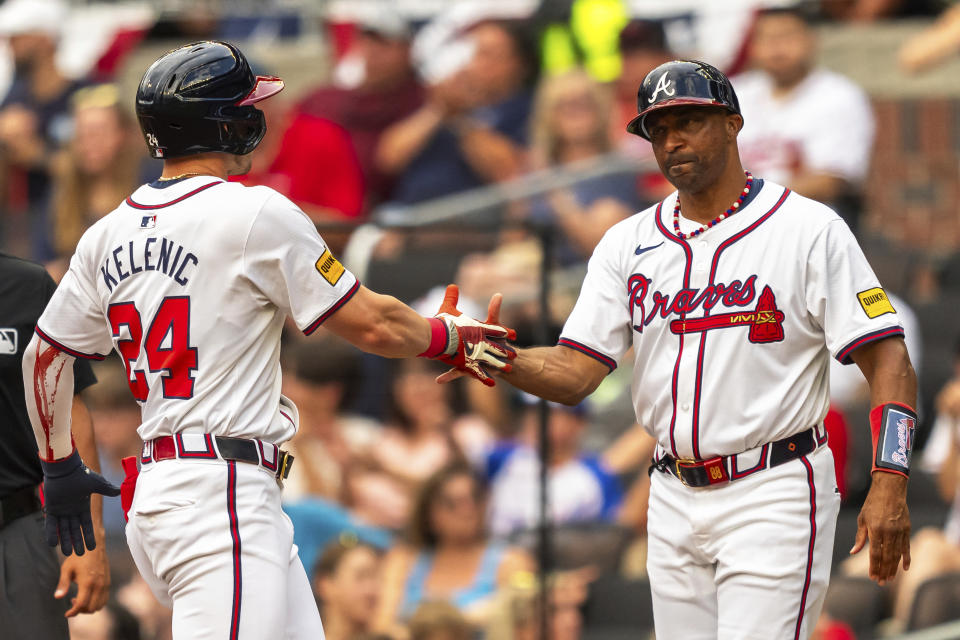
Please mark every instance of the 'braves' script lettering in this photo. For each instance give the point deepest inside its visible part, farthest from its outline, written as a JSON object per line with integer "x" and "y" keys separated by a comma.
{"x": 647, "y": 303}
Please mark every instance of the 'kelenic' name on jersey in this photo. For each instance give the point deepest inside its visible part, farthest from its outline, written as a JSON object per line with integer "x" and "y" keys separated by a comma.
{"x": 149, "y": 254}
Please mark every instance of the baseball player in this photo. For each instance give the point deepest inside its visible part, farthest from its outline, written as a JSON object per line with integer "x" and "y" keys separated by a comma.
{"x": 734, "y": 293}
{"x": 190, "y": 280}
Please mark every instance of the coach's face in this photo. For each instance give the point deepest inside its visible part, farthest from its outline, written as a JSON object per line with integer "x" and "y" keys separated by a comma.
{"x": 692, "y": 144}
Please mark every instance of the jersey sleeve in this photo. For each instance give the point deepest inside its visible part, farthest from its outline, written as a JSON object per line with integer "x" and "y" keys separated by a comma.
{"x": 844, "y": 296}
{"x": 287, "y": 261}
{"x": 599, "y": 325}
{"x": 73, "y": 320}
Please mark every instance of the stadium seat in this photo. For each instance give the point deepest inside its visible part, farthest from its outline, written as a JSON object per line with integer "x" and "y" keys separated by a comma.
{"x": 575, "y": 545}
{"x": 858, "y": 602}
{"x": 618, "y": 608}
{"x": 937, "y": 601}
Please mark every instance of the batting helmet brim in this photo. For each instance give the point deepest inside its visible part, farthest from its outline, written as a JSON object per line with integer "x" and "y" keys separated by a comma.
{"x": 263, "y": 88}
{"x": 637, "y": 128}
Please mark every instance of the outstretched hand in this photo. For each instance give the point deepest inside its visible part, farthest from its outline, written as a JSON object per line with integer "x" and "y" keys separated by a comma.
{"x": 481, "y": 344}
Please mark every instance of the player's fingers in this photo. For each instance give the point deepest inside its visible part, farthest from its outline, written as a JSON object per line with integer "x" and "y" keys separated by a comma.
{"x": 876, "y": 555}
{"x": 104, "y": 486}
{"x": 76, "y": 535}
{"x": 450, "y": 298}
{"x": 63, "y": 530}
{"x": 860, "y": 540}
{"x": 50, "y": 526}
{"x": 81, "y": 604}
{"x": 86, "y": 524}
{"x": 449, "y": 376}
{"x": 906, "y": 553}
{"x": 66, "y": 575}
{"x": 889, "y": 555}
{"x": 493, "y": 309}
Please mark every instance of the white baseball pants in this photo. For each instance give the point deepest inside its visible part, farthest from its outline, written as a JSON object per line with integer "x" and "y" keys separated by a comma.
{"x": 747, "y": 560}
{"x": 210, "y": 539}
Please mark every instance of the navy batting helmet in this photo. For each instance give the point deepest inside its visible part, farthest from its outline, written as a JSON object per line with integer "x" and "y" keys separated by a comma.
{"x": 200, "y": 98}
{"x": 682, "y": 82}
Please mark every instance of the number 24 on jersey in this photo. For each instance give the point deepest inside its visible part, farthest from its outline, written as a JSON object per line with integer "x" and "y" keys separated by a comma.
{"x": 166, "y": 344}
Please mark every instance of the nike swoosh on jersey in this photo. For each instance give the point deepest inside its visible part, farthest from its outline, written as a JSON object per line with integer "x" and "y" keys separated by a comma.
{"x": 642, "y": 249}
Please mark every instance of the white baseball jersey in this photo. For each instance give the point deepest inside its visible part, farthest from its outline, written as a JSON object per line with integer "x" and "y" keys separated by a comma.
{"x": 825, "y": 124}
{"x": 191, "y": 284}
{"x": 732, "y": 330}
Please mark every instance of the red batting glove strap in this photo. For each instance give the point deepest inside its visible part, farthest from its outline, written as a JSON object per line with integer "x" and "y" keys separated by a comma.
{"x": 439, "y": 338}
{"x": 898, "y": 444}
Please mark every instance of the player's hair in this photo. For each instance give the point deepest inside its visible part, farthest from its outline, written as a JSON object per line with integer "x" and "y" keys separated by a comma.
{"x": 545, "y": 143}
{"x": 433, "y": 617}
{"x": 420, "y": 531}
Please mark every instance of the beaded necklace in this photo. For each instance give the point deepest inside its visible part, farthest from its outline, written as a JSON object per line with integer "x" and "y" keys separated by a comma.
{"x": 726, "y": 214}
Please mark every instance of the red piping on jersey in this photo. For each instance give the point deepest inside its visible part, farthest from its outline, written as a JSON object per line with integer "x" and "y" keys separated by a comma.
{"x": 235, "y": 535}
{"x": 68, "y": 350}
{"x": 688, "y": 256}
{"x": 329, "y": 312}
{"x": 873, "y": 336}
{"x": 137, "y": 205}
{"x": 698, "y": 385}
{"x": 584, "y": 349}
{"x": 813, "y": 538}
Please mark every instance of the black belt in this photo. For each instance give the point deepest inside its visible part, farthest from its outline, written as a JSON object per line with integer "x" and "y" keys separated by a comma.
{"x": 237, "y": 449}
{"x": 703, "y": 473}
{"x": 18, "y": 504}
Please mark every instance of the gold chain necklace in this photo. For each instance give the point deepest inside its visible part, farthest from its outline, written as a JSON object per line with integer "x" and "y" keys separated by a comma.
{"x": 182, "y": 175}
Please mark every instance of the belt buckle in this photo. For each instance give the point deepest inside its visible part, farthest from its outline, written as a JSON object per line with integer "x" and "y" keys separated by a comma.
{"x": 676, "y": 465}
{"x": 284, "y": 462}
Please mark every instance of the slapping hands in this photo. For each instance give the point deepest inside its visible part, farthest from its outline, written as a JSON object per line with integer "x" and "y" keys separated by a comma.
{"x": 475, "y": 347}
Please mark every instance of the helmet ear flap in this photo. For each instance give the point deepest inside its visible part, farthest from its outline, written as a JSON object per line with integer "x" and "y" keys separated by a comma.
{"x": 242, "y": 135}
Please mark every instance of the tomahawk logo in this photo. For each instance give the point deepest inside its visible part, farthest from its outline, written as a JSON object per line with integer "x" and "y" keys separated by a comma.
{"x": 8, "y": 342}
{"x": 663, "y": 84}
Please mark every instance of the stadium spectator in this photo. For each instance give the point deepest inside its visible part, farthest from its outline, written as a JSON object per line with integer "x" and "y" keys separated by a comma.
{"x": 581, "y": 487}
{"x": 517, "y": 614}
{"x": 384, "y": 91}
{"x": 103, "y": 163}
{"x": 570, "y": 127}
{"x": 329, "y": 444}
{"x": 805, "y": 127}
{"x": 473, "y": 126}
{"x": 448, "y": 556}
{"x": 643, "y": 48}
{"x": 347, "y": 585}
{"x": 34, "y": 121}
{"x": 113, "y": 622}
{"x": 423, "y": 436}
{"x": 439, "y": 621}
{"x": 934, "y": 44}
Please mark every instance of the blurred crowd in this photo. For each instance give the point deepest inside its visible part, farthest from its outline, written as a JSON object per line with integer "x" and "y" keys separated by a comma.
{"x": 416, "y": 506}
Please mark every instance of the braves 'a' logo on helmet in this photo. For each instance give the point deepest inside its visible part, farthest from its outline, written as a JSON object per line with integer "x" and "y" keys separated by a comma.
{"x": 663, "y": 84}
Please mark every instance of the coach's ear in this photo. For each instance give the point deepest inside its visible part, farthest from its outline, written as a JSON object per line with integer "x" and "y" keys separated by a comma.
{"x": 734, "y": 125}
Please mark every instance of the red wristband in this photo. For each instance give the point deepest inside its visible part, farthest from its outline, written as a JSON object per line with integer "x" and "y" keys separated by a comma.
{"x": 439, "y": 338}
{"x": 896, "y": 423}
